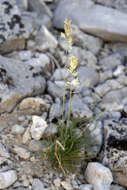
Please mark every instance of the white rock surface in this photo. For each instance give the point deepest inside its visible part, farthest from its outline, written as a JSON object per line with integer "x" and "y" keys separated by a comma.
{"x": 17, "y": 129}
{"x": 86, "y": 187}
{"x": 3, "y": 151}
{"x": 99, "y": 176}
{"x": 27, "y": 136}
{"x": 104, "y": 22}
{"x": 21, "y": 152}
{"x": 33, "y": 105}
{"x": 45, "y": 40}
{"x": 7, "y": 178}
{"x": 66, "y": 185}
{"x": 38, "y": 127}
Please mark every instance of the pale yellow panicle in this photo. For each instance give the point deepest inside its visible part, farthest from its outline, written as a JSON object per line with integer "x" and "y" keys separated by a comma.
{"x": 63, "y": 35}
{"x": 73, "y": 66}
{"x": 67, "y": 27}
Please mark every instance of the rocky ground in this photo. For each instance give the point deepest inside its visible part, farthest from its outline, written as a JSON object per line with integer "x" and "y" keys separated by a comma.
{"x": 32, "y": 57}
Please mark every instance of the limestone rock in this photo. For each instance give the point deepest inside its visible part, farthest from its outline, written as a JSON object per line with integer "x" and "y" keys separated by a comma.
{"x": 115, "y": 150}
{"x": 33, "y": 105}
{"x": 99, "y": 176}
{"x": 55, "y": 111}
{"x": 86, "y": 41}
{"x": 35, "y": 146}
{"x": 79, "y": 109}
{"x": 117, "y": 187}
{"x": 17, "y": 129}
{"x": 98, "y": 20}
{"x": 22, "y": 4}
{"x": 54, "y": 90}
{"x": 3, "y": 151}
{"x": 111, "y": 62}
{"x": 43, "y": 13}
{"x": 117, "y": 4}
{"x": 86, "y": 187}
{"x": 14, "y": 30}
{"x": 45, "y": 40}
{"x": 114, "y": 99}
{"x": 88, "y": 77}
{"x": 21, "y": 152}
{"x": 18, "y": 80}
{"x": 37, "y": 184}
{"x": 38, "y": 127}
{"x": 66, "y": 185}
{"x": 26, "y": 136}
{"x": 7, "y": 178}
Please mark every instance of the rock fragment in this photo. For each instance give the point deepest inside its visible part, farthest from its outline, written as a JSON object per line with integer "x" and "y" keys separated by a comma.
{"x": 38, "y": 127}
{"x": 99, "y": 176}
{"x": 7, "y": 178}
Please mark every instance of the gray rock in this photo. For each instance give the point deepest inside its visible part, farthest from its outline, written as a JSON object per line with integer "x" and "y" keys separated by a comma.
{"x": 102, "y": 89}
{"x": 35, "y": 146}
{"x": 37, "y": 185}
{"x": 17, "y": 130}
{"x": 114, "y": 100}
{"x": 79, "y": 109}
{"x": 118, "y": 4}
{"x": 3, "y": 151}
{"x": 61, "y": 74}
{"x": 99, "y": 176}
{"x": 22, "y": 4}
{"x": 105, "y": 75}
{"x": 106, "y": 87}
{"x": 85, "y": 57}
{"x": 33, "y": 105}
{"x": 54, "y": 90}
{"x": 20, "y": 188}
{"x": 45, "y": 40}
{"x": 86, "y": 187}
{"x": 43, "y": 61}
{"x": 120, "y": 48}
{"x": 18, "y": 80}
{"x": 14, "y": 30}
{"x": 66, "y": 185}
{"x": 111, "y": 62}
{"x": 122, "y": 80}
{"x": 117, "y": 187}
{"x": 119, "y": 71}
{"x": 94, "y": 19}
{"x": 85, "y": 41}
{"x": 116, "y": 115}
{"x": 43, "y": 13}
{"x": 115, "y": 151}
{"x": 88, "y": 77}
{"x": 26, "y": 136}
{"x": 96, "y": 132}
{"x": 51, "y": 130}
{"x": 21, "y": 152}
{"x": 7, "y": 178}
{"x": 55, "y": 111}
{"x": 25, "y": 55}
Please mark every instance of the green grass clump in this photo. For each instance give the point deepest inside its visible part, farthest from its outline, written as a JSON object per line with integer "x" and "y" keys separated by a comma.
{"x": 68, "y": 148}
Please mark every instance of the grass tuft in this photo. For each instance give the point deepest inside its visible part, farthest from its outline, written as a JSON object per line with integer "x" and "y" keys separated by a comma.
{"x": 68, "y": 148}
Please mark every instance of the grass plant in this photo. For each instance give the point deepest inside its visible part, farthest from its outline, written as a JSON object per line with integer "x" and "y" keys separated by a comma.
{"x": 68, "y": 148}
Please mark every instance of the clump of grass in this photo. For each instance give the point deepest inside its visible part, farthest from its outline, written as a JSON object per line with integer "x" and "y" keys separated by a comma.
{"x": 68, "y": 148}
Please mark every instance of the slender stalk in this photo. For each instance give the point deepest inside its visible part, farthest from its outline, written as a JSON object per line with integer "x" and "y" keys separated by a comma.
{"x": 64, "y": 89}
{"x": 64, "y": 94}
{"x": 69, "y": 105}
